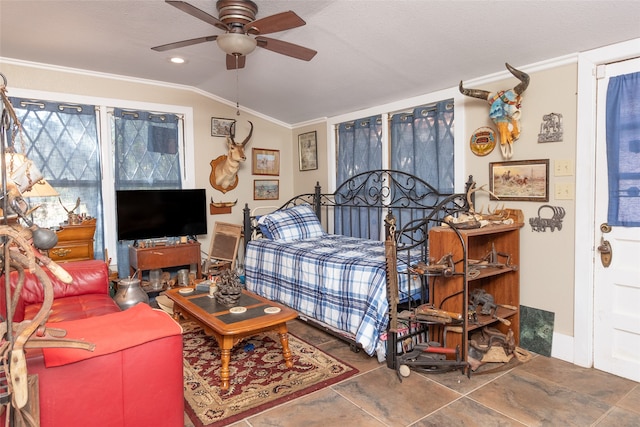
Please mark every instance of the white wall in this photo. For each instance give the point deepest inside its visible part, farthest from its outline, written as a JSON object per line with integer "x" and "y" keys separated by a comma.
{"x": 548, "y": 273}
{"x": 67, "y": 84}
{"x": 547, "y": 258}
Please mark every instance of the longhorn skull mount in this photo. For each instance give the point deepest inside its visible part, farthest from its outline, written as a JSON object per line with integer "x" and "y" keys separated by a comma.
{"x": 504, "y": 109}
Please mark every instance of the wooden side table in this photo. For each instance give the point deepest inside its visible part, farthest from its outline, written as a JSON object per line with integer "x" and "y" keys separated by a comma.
{"x": 75, "y": 242}
{"x": 141, "y": 259}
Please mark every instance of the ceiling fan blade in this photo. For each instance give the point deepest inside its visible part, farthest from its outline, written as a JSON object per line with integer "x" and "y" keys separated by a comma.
{"x": 184, "y": 43}
{"x": 200, "y": 14}
{"x": 274, "y": 23}
{"x": 286, "y": 48}
{"x": 231, "y": 62}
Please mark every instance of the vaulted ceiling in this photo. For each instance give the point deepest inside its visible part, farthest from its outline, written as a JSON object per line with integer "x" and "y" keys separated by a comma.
{"x": 369, "y": 52}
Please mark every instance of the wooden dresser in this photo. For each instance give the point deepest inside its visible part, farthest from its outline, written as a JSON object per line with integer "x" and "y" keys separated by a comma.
{"x": 75, "y": 242}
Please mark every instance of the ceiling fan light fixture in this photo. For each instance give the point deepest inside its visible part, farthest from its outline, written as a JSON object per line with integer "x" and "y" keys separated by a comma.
{"x": 236, "y": 43}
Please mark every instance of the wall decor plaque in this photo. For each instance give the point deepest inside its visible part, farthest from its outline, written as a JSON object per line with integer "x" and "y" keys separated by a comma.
{"x": 483, "y": 141}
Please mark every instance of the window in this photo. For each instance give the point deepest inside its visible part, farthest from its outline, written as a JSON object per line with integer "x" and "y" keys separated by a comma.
{"x": 66, "y": 141}
{"x": 146, "y": 150}
{"x": 146, "y": 157}
{"x": 359, "y": 147}
{"x": 623, "y": 150}
{"x": 421, "y": 143}
{"x": 62, "y": 141}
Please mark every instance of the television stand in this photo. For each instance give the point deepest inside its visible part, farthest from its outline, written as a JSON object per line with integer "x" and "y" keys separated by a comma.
{"x": 149, "y": 258}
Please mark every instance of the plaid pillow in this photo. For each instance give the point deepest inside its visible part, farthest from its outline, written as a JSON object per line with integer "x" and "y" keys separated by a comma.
{"x": 263, "y": 228}
{"x": 296, "y": 223}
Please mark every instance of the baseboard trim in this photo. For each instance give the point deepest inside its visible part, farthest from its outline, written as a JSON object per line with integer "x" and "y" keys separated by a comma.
{"x": 562, "y": 347}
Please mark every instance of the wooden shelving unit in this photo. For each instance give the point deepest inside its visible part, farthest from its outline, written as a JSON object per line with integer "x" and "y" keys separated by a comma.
{"x": 471, "y": 273}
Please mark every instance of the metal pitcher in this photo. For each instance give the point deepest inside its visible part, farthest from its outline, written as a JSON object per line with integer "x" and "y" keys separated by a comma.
{"x": 130, "y": 293}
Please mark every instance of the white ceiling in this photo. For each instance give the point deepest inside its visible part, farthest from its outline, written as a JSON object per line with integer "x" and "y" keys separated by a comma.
{"x": 369, "y": 52}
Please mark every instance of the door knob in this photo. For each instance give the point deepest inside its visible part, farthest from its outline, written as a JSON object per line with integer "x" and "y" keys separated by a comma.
{"x": 605, "y": 250}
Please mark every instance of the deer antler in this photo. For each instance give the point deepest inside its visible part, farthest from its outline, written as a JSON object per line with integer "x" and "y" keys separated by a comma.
{"x": 74, "y": 208}
{"x": 472, "y": 190}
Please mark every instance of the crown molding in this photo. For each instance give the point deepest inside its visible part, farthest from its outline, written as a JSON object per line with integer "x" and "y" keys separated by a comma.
{"x": 137, "y": 80}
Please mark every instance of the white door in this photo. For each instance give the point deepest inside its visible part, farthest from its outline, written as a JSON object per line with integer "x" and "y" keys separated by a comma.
{"x": 616, "y": 288}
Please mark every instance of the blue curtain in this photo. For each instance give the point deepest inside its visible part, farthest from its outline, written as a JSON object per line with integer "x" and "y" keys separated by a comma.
{"x": 422, "y": 144}
{"x": 147, "y": 151}
{"x": 359, "y": 150}
{"x": 359, "y": 147}
{"x": 623, "y": 150}
{"x": 147, "y": 156}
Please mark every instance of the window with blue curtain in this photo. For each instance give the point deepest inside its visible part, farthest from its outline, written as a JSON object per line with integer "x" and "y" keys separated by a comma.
{"x": 421, "y": 143}
{"x": 359, "y": 150}
{"x": 359, "y": 147}
{"x": 623, "y": 150}
{"x": 147, "y": 156}
{"x": 147, "y": 150}
{"x": 62, "y": 141}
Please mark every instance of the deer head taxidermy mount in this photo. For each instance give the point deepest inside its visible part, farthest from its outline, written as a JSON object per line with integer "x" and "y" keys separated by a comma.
{"x": 224, "y": 169}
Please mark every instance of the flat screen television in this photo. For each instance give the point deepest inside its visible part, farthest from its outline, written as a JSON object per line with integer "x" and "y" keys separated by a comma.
{"x": 153, "y": 214}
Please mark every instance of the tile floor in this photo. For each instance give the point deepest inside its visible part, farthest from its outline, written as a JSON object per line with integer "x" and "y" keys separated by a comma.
{"x": 542, "y": 392}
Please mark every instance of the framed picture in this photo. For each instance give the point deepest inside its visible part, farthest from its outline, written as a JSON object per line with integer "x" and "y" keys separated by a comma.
{"x": 525, "y": 180}
{"x": 221, "y": 127}
{"x": 266, "y": 189}
{"x": 265, "y": 162}
{"x": 308, "y": 151}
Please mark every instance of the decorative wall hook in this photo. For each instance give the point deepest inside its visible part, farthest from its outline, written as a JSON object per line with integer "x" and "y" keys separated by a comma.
{"x": 541, "y": 224}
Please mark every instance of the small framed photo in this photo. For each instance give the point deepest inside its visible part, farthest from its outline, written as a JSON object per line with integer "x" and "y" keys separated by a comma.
{"x": 524, "y": 180}
{"x": 265, "y": 162}
{"x": 221, "y": 127}
{"x": 266, "y": 189}
{"x": 308, "y": 151}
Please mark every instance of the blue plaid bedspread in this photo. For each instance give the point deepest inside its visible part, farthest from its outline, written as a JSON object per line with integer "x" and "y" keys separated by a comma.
{"x": 335, "y": 279}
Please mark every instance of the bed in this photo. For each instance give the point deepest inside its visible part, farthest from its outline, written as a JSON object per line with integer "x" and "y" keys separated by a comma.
{"x": 323, "y": 254}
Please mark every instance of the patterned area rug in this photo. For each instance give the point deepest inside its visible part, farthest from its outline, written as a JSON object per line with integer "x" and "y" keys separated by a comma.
{"x": 259, "y": 377}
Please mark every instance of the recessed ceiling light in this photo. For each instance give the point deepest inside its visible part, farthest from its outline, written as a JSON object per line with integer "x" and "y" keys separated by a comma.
{"x": 177, "y": 60}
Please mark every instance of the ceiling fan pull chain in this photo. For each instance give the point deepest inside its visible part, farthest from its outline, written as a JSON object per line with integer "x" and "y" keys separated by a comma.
{"x": 237, "y": 87}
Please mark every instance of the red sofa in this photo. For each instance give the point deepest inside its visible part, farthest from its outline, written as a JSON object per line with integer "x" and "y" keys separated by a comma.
{"x": 134, "y": 375}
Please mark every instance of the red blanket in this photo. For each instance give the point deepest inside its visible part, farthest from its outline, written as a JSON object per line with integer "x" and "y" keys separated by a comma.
{"x": 111, "y": 333}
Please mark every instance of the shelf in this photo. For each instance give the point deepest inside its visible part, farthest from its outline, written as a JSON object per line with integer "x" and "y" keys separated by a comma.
{"x": 496, "y": 251}
{"x": 484, "y": 320}
{"x": 489, "y": 272}
{"x": 218, "y": 210}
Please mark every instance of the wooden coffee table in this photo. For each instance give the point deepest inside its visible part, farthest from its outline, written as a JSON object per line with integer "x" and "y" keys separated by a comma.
{"x": 230, "y": 328}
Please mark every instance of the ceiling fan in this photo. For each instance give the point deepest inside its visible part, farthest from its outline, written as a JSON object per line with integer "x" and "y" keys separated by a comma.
{"x": 243, "y": 32}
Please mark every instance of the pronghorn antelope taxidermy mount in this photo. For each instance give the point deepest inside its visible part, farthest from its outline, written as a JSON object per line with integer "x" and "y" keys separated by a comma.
{"x": 224, "y": 169}
{"x": 505, "y": 109}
